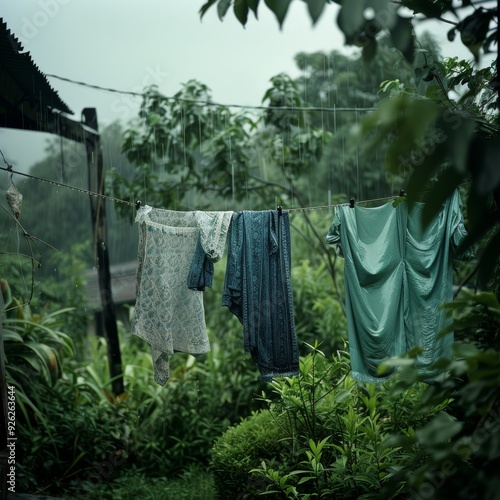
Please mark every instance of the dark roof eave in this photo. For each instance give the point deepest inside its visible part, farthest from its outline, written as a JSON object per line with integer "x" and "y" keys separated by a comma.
{"x": 21, "y": 81}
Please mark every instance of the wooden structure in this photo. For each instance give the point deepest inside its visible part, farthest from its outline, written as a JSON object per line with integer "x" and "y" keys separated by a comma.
{"x": 123, "y": 278}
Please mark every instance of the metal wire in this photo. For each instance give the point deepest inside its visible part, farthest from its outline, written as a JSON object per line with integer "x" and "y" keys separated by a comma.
{"x": 60, "y": 184}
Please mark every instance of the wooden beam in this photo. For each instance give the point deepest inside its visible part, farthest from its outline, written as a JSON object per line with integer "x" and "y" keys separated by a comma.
{"x": 98, "y": 212}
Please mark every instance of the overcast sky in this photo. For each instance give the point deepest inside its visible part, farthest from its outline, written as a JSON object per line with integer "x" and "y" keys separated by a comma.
{"x": 126, "y": 44}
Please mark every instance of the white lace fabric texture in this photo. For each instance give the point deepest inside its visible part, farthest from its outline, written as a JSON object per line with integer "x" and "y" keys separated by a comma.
{"x": 168, "y": 315}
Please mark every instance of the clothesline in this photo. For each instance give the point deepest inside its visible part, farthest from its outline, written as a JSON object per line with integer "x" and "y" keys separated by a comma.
{"x": 210, "y": 103}
{"x": 10, "y": 170}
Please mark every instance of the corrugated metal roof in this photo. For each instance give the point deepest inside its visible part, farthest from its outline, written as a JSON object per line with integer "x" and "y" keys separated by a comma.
{"x": 27, "y": 100}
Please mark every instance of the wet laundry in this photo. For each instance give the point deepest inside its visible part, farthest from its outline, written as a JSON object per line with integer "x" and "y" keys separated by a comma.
{"x": 397, "y": 276}
{"x": 176, "y": 253}
{"x": 258, "y": 290}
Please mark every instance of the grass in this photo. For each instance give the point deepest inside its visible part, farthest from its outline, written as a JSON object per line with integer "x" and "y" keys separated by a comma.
{"x": 196, "y": 483}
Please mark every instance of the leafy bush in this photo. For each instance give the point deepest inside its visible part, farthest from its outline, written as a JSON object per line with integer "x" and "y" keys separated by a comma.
{"x": 73, "y": 423}
{"x": 258, "y": 437}
{"x": 459, "y": 450}
{"x": 81, "y": 433}
{"x": 34, "y": 351}
{"x": 62, "y": 425}
{"x": 176, "y": 424}
{"x": 332, "y": 433}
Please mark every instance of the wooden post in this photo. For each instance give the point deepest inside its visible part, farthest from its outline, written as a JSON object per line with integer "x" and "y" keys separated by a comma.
{"x": 98, "y": 213}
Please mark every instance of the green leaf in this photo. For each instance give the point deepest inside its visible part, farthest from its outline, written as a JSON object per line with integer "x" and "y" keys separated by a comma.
{"x": 306, "y": 479}
{"x": 487, "y": 299}
{"x": 369, "y": 51}
{"x": 434, "y": 92}
{"x": 222, "y": 8}
{"x": 371, "y": 480}
{"x": 473, "y": 30}
{"x": 402, "y": 37}
{"x": 253, "y": 4}
{"x": 315, "y": 8}
{"x": 12, "y": 336}
{"x": 240, "y": 8}
{"x": 350, "y": 17}
{"x": 429, "y": 9}
{"x": 439, "y": 430}
{"x": 206, "y": 6}
{"x": 279, "y": 8}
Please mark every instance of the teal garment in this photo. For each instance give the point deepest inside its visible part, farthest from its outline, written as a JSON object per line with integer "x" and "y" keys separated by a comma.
{"x": 397, "y": 276}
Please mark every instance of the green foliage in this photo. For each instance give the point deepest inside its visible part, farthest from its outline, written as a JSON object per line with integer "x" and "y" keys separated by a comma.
{"x": 459, "y": 448}
{"x": 362, "y": 21}
{"x": 34, "y": 351}
{"x": 59, "y": 426}
{"x": 332, "y": 434}
{"x": 69, "y": 289}
{"x": 176, "y": 425}
{"x": 173, "y": 426}
{"x": 241, "y": 448}
{"x": 195, "y": 483}
{"x": 344, "y": 89}
{"x": 171, "y": 144}
{"x": 72, "y": 423}
{"x": 318, "y": 307}
{"x": 81, "y": 431}
{"x": 436, "y": 143}
{"x": 187, "y": 151}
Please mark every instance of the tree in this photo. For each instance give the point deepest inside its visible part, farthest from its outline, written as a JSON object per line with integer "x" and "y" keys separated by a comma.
{"x": 442, "y": 141}
{"x": 192, "y": 153}
{"x": 347, "y": 87}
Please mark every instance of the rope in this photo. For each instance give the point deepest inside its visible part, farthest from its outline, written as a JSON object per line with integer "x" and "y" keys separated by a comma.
{"x": 74, "y": 188}
{"x": 118, "y": 200}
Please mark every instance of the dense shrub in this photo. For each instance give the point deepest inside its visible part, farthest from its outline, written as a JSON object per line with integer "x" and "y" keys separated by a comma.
{"x": 459, "y": 450}
{"x": 332, "y": 433}
{"x": 79, "y": 437}
{"x": 258, "y": 437}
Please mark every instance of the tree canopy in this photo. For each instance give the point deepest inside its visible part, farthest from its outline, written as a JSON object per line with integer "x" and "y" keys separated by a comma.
{"x": 436, "y": 139}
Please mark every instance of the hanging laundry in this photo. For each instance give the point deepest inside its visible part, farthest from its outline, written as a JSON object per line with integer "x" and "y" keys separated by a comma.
{"x": 175, "y": 263}
{"x": 397, "y": 276}
{"x": 258, "y": 291}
